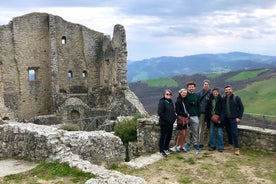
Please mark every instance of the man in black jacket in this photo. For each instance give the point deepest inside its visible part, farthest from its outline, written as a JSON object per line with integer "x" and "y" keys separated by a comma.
{"x": 232, "y": 111}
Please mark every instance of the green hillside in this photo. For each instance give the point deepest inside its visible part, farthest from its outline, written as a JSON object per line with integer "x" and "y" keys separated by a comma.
{"x": 162, "y": 82}
{"x": 245, "y": 75}
{"x": 259, "y": 97}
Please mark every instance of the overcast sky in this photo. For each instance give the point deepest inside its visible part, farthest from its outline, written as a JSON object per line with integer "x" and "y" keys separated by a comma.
{"x": 157, "y": 28}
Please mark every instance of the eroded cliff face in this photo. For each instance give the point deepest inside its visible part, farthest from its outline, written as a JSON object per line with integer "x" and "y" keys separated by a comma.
{"x": 51, "y": 66}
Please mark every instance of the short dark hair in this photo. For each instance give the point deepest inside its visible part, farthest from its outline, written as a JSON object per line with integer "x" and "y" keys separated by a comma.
{"x": 215, "y": 89}
{"x": 191, "y": 83}
{"x": 227, "y": 86}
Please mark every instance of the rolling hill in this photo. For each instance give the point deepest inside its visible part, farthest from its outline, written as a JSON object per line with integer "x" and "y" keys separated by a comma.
{"x": 201, "y": 63}
{"x": 256, "y": 88}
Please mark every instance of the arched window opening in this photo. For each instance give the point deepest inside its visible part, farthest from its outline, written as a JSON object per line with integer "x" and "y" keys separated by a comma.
{"x": 75, "y": 115}
{"x": 31, "y": 73}
{"x": 6, "y": 118}
{"x": 84, "y": 74}
{"x": 63, "y": 40}
{"x": 70, "y": 74}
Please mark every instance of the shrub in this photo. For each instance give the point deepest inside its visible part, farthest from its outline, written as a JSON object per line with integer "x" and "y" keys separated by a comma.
{"x": 70, "y": 127}
{"x": 126, "y": 130}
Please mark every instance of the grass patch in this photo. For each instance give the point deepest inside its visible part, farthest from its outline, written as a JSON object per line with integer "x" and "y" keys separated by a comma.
{"x": 207, "y": 167}
{"x": 259, "y": 97}
{"x": 70, "y": 127}
{"x": 273, "y": 176}
{"x": 245, "y": 75}
{"x": 185, "y": 180}
{"x": 60, "y": 172}
{"x": 191, "y": 161}
{"x": 162, "y": 82}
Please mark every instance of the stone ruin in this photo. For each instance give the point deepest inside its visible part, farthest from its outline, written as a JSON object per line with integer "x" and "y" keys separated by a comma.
{"x": 54, "y": 72}
{"x": 49, "y": 66}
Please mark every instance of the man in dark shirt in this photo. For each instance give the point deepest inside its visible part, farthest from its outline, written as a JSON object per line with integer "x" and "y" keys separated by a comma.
{"x": 193, "y": 102}
{"x": 232, "y": 111}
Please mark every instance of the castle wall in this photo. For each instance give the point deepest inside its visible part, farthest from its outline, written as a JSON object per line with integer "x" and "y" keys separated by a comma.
{"x": 66, "y": 61}
{"x": 29, "y": 50}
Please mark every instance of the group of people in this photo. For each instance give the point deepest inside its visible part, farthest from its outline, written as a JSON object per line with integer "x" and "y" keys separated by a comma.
{"x": 205, "y": 109}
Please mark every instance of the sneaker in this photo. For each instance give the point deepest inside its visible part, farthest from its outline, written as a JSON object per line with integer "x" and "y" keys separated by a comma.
{"x": 188, "y": 147}
{"x": 237, "y": 151}
{"x": 169, "y": 151}
{"x": 220, "y": 150}
{"x": 201, "y": 146}
{"x": 196, "y": 147}
{"x": 177, "y": 148}
{"x": 211, "y": 149}
{"x": 183, "y": 149}
{"x": 163, "y": 154}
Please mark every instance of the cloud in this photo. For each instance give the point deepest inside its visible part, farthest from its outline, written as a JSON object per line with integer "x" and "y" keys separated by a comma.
{"x": 156, "y": 28}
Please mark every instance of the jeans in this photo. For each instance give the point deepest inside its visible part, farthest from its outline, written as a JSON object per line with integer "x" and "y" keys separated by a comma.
{"x": 213, "y": 131}
{"x": 193, "y": 128}
{"x": 231, "y": 126}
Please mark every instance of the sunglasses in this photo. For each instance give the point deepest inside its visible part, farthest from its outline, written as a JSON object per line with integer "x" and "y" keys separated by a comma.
{"x": 168, "y": 94}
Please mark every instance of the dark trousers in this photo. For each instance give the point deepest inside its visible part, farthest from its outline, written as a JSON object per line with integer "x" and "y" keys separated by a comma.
{"x": 165, "y": 136}
{"x": 231, "y": 127}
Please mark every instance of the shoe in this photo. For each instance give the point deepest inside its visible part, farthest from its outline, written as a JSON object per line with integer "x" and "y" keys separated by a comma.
{"x": 188, "y": 147}
{"x": 211, "y": 149}
{"x": 177, "y": 148}
{"x": 229, "y": 147}
{"x": 220, "y": 150}
{"x": 183, "y": 149}
{"x": 169, "y": 151}
{"x": 163, "y": 154}
{"x": 237, "y": 151}
{"x": 196, "y": 147}
{"x": 201, "y": 146}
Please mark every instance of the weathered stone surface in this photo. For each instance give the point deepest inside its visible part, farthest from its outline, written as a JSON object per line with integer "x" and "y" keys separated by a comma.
{"x": 39, "y": 142}
{"x": 53, "y": 67}
{"x": 148, "y": 136}
{"x": 79, "y": 149}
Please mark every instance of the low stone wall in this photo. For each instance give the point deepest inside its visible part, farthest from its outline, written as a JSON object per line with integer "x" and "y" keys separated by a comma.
{"x": 249, "y": 137}
{"x": 88, "y": 151}
{"x": 256, "y": 138}
{"x": 40, "y": 142}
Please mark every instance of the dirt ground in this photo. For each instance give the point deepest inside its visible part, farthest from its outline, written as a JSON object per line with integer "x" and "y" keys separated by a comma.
{"x": 202, "y": 168}
{"x": 211, "y": 167}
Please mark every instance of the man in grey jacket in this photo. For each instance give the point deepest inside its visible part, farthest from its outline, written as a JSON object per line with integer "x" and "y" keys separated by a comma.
{"x": 204, "y": 94}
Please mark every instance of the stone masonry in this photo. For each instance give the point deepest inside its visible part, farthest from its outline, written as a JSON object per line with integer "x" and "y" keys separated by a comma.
{"x": 89, "y": 151}
{"x": 53, "y": 67}
{"x": 253, "y": 138}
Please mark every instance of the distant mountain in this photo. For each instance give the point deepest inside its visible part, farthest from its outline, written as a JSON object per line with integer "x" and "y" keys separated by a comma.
{"x": 201, "y": 63}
